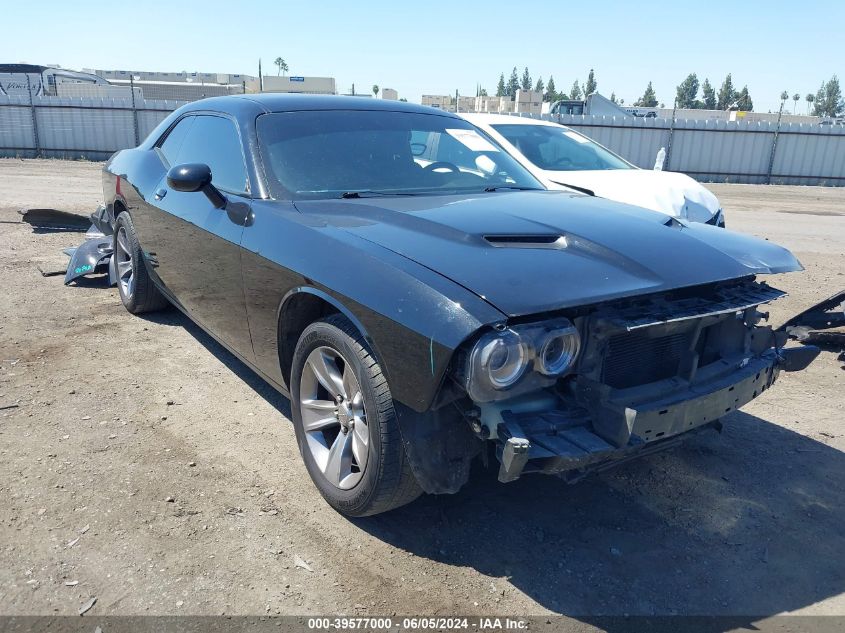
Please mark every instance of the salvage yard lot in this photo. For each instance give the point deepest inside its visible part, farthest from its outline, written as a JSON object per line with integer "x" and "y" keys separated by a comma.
{"x": 142, "y": 464}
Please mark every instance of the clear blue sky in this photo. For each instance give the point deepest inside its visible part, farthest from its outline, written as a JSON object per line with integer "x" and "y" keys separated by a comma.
{"x": 437, "y": 47}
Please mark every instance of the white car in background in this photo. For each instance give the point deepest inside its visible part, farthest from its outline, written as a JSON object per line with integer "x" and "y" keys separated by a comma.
{"x": 563, "y": 158}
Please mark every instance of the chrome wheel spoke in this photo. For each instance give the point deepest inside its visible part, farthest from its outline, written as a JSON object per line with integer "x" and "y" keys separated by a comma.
{"x": 123, "y": 243}
{"x": 318, "y": 415}
{"x": 124, "y": 268}
{"x": 325, "y": 369}
{"x": 339, "y": 462}
{"x": 360, "y": 442}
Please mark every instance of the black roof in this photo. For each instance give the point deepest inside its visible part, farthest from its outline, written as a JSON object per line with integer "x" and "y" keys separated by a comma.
{"x": 22, "y": 68}
{"x": 284, "y": 102}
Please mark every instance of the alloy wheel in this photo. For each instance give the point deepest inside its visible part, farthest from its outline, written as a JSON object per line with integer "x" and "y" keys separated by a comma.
{"x": 333, "y": 417}
{"x": 123, "y": 261}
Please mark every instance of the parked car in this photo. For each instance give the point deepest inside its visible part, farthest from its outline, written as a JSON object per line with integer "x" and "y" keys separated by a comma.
{"x": 418, "y": 311}
{"x": 565, "y": 158}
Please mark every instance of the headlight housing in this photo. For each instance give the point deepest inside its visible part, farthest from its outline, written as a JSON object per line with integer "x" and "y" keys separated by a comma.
{"x": 522, "y": 358}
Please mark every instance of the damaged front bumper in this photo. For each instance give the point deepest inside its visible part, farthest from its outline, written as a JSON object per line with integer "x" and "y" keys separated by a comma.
{"x": 572, "y": 443}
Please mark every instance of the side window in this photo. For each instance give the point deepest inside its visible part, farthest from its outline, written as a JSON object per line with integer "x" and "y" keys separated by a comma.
{"x": 214, "y": 140}
{"x": 173, "y": 141}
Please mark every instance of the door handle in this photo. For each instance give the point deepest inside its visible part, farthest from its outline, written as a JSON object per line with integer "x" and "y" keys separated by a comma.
{"x": 160, "y": 194}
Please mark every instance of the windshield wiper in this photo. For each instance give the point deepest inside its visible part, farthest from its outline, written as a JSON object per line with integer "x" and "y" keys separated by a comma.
{"x": 589, "y": 192}
{"x": 510, "y": 188}
{"x": 366, "y": 193}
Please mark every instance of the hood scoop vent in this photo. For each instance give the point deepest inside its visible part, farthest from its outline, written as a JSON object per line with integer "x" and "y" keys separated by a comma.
{"x": 552, "y": 240}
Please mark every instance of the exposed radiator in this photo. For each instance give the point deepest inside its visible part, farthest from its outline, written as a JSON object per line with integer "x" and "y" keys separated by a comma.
{"x": 634, "y": 358}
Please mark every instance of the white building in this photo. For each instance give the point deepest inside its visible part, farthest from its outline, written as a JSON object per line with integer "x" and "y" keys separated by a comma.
{"x": 390, "y": 94}
{"x": 295, "y": 84}
{"x": 444, "y": 102}
{"x": 528, "y": 102}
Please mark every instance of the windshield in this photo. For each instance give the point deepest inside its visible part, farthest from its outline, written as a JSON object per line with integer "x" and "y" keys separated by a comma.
{"x": 351, "y": 153}
{"x": 555, "y": 148}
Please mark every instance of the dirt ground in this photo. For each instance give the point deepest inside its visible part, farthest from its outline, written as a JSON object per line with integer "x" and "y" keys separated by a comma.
{"x": 143, "y": 465}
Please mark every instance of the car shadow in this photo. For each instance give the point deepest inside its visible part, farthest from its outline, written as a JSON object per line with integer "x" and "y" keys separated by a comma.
{"x": 175, "y": 318}
{"x": 749, "y": 521}
{"x": 746, "y": 522}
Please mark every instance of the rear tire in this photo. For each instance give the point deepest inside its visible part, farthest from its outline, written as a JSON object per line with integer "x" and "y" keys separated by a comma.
{"x": 137, "y": 290}
{"x": 349, "y": 421}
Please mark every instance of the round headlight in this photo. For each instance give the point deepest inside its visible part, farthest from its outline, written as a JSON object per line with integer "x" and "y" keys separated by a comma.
{"x": 558, "y": 351}
{"x": 503, "y": 359}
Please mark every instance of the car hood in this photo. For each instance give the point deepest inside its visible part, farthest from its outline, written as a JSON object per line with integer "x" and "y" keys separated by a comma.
{"x": 669, "y": 192}
{"x": 530, "y": 252}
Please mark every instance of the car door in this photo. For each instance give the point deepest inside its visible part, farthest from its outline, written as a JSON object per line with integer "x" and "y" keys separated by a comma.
{"x": 194, "y": 246}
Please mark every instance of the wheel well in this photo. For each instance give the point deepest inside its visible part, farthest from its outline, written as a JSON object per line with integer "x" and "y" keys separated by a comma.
{"x": 298, "y": 312}
{"x": 117, "y": 208}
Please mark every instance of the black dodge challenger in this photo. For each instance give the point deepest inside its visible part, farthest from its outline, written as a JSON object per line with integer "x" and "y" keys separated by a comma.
{"x": 423, "y": 301}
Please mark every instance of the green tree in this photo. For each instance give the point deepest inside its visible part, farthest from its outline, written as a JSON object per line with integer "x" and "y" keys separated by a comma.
{"x": 591, "y": 86}
{"x": 649, "y": 99}
{"x": 575, "y": 93}
{"x": 687, "y": 92}
{"x": 613, "y": 97}
{"x": 539, "y": 86}
{"x": 482, "y": 92}
{"x": 783, "y": 97}
{"x": 375, "y": 90}
{"x": 828, "y": 99}
{"x": 727, "y": 94}
{"x": 795, "y": 99}
{"x": 513, "y": 83}
{"x": 501, "y": 89}
{"x": 743, "y": 100}
{"x": 809, "y": 98}
{"x": 526, "y": 80}
{"x": 283, "y": 67}
{"x": 708, "y": 94}
{"x": 551, "y": 94}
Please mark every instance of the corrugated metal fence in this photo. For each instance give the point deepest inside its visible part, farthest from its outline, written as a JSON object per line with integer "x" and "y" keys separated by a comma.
{"x": 71, "y": 127}
{"x": 724, "y": 151}
{"x": 57, "y": 127}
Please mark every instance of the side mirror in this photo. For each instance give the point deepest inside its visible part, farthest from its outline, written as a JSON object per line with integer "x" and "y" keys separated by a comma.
{"x": 192, "y": 177}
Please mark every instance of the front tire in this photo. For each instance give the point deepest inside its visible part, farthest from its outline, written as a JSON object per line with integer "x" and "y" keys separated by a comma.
{"x": 345, "y": 422}
{"x": 137, "y": 290}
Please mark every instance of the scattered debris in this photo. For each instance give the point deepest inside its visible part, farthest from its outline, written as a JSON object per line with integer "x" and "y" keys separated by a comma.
{"x": 73, "y": 542}
{"x": 235, "y": 512}
{"x": 615, "y": 551}
{"x": 191, "y": 464}
{"x": 9, "y": 406}
{"x": 170, "y": 499}
{"x": 299, "y": 562}
{"x": 71, "y": 583}
{"x": 823, "y": 324}
{"x": 85, "y": 608}
{"x": 85, "y": 529}
{"x": 170, "y": 403}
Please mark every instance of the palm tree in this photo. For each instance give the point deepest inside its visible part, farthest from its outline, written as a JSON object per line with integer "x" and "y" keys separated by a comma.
{"x": 375, "y": 90}
{"x": 283, "y": 67}
{"x": 783, "y": 97}
{"x": 796, "y": 97}
{"x": 810, "y": 98}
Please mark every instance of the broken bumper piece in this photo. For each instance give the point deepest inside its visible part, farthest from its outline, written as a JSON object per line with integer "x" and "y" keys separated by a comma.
{"x": 571, "y": 444}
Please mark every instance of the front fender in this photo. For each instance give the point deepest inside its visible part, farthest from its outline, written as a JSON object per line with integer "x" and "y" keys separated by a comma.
{"x": 412, "y": 317}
